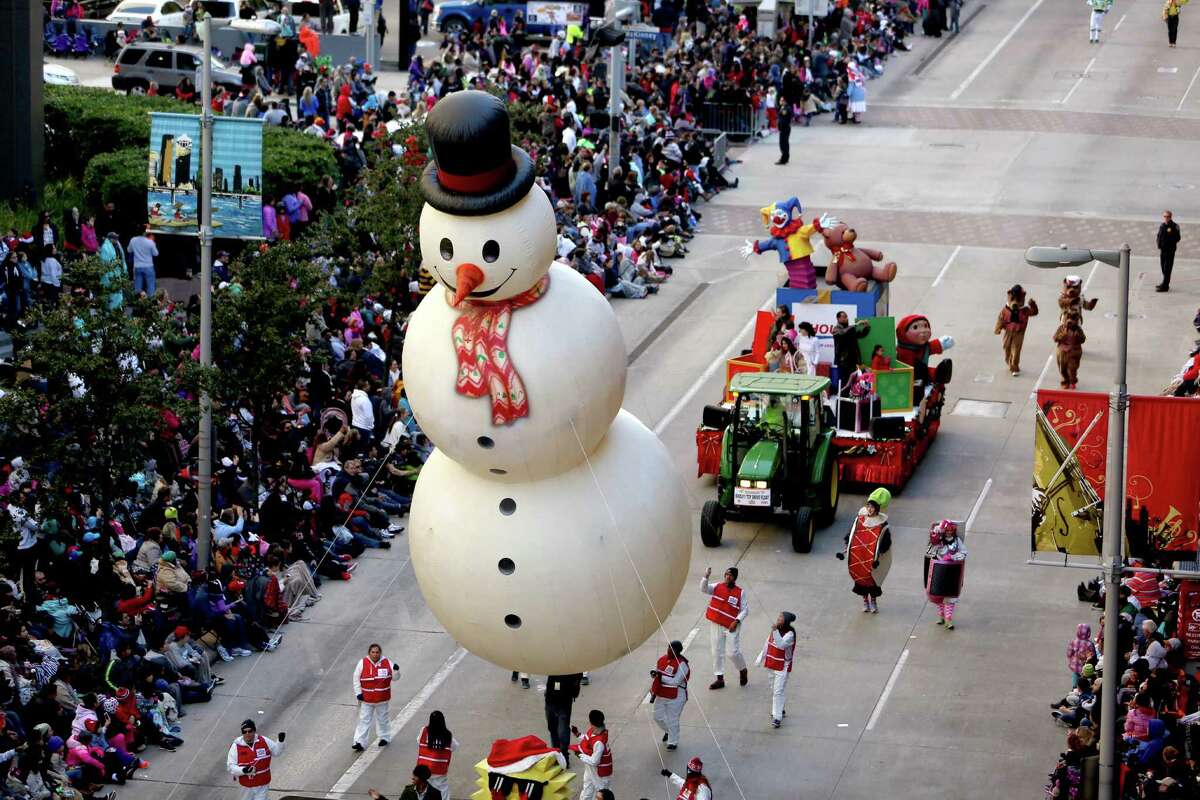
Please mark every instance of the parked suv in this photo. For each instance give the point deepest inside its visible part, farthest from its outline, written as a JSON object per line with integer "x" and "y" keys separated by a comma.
{"x": 142, "y": 62}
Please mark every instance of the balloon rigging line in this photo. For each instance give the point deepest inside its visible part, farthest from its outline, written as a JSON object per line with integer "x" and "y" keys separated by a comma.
{"x": 257, "y": 661}
{"x": 650, "y": 601}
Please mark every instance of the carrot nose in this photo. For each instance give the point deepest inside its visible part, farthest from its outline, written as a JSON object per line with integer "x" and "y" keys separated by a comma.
{"x": 468, "y": 276}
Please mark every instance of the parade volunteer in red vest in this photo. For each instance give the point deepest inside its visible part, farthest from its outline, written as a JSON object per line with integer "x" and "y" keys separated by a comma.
{"x": 249, "y": 760}
{"x": 694, "y": 786}
{"x": 434, "y": 746}
{"x": 373, "y": 678}
{"x": 668, "y": 691}
{"x": 726, "y": 610}
{"x": 776, "y": 656}
{"x": 596, "y": 755}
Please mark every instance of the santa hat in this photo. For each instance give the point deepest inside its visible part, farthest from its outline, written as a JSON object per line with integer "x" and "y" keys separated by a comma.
{"x": 510, "y": 756}
{"x": 695, "y": 765}
{"x": 909, "y": 320}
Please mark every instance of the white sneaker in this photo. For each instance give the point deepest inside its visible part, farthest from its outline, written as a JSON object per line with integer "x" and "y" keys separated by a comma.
{"x": 274, "y": 641}
{"x": 223, "y": 653}
{"x": 241, "y": 652}
{"x": 387, "y": 535}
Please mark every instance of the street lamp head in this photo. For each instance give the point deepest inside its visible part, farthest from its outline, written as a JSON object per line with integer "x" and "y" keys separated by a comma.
{"x": 1055, "y": 257}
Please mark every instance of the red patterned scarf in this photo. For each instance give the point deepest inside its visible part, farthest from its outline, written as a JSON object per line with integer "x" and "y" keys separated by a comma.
{"x": 484, "y": 368}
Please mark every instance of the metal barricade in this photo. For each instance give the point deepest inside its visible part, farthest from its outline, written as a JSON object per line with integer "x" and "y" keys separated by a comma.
{"x": 734, "y": 120}
{"x": 718, "y": 142}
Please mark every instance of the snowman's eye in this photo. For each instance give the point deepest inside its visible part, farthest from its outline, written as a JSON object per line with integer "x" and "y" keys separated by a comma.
{"x": 491, "y": 250}
{"x": 447, "y": 248}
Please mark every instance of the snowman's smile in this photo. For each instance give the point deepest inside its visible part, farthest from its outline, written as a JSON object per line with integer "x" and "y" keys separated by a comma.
{"x": 481, "y": 292}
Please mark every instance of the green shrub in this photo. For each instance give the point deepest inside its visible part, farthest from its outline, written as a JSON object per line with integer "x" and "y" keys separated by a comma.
{"x": 121, "y": 177}
{"x": 57, "y": 197}
{"x": 291, "y": 157}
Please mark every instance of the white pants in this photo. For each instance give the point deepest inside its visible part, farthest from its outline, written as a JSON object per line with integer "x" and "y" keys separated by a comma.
{"x": 779, "y": 681}
{"x": 255, "y": 792}
{"x": 1097, "y": 23}
{"x": 591, "y": 785}
{"x": 717, "y": 635}
{"x": 667, "y": 714}
{"x": 440, "y": 783}
{"x": 372, "y": 711}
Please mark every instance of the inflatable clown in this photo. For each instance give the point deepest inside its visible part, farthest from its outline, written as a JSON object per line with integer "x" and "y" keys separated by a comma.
{"x": 791, "y": 240}
{"x": 541, "y": 486}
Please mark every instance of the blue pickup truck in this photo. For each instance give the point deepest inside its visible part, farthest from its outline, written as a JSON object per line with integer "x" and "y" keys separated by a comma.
{"x": 541, "y": 18}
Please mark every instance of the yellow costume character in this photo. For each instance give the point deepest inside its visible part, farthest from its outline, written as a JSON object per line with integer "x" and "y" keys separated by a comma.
{"x": 515, "y": 766}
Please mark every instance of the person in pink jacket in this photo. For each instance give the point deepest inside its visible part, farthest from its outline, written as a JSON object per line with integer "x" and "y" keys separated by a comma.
{"x": 1080, "y": 651}
{"x": 1137, "y": 721}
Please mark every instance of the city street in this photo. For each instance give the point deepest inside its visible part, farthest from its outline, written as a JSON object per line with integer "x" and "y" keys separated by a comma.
{"x": 1014, "y": 133}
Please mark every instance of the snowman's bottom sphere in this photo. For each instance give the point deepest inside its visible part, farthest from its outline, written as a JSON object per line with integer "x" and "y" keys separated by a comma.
{"x": 537, "y": 576}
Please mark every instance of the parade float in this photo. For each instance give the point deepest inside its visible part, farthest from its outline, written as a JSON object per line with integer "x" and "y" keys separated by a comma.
{"x": 882, "y": 419}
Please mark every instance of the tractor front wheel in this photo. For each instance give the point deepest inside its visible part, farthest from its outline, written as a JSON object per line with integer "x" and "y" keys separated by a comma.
{"x": 802, "y": 530}
{"x": 712, "y": 523}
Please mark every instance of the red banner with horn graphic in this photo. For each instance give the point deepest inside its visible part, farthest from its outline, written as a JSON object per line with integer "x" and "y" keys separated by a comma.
{"x": 1163, "y": 487}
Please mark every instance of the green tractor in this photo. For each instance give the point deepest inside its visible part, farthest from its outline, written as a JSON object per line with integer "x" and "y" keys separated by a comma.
{"x": 777, "y": 456}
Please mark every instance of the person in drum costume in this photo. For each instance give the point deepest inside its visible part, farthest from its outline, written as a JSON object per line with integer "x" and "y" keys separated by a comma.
{"x": 945, "y": 550}
{"x": 868, "y": 552}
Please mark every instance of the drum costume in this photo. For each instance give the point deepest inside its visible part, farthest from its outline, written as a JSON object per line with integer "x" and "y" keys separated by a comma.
{"x": 868, "y": 552}
{"x": 944, "y": 569}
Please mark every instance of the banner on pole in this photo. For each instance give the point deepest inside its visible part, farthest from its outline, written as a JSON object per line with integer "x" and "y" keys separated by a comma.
{"x": 1163, "y": 489}
{"x": 1070, "y": 442}
{"x": 174, "y": 158}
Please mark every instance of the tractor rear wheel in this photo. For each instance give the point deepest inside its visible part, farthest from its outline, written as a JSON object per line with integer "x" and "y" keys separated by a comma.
{"x": 802, "y": 530}
{"x": 827, "y": 495}
{"x": 712, "y": 523}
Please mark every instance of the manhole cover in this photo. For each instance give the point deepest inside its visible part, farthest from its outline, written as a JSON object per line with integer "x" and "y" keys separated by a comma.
{"x": 948, "y": 145}
{"x": 1168, "y": 70}
{"x": 980, "y": 408}
{"x": 1180, "y": 187}
{"x": 1132, "y": 315}
{"x": 985, "y": 377}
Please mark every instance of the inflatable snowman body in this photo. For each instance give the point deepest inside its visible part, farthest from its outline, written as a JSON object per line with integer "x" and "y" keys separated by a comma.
{"x": 549, "y": 530}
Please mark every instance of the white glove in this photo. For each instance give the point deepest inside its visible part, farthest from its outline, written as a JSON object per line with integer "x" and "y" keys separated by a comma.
{"x": 946, "y": 341}
{"x": 747, "y": 249}
{"x": 827, "y": 221}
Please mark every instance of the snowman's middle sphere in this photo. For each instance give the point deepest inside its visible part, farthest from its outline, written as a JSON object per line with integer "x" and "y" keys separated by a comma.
{"x": 568, "y": 350}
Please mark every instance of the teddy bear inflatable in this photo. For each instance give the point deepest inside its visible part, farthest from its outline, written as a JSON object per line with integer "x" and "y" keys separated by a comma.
{"x": 852, "y": 266}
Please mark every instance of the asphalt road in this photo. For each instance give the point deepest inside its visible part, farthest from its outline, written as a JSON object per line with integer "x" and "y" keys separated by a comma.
{"x": 1017, "y": 132}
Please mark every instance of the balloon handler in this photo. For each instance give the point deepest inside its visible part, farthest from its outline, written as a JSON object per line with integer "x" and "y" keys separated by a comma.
{"x": 791, "y": 239}
{"x": 944, "y": 569}
{"x": 868, "y": 552}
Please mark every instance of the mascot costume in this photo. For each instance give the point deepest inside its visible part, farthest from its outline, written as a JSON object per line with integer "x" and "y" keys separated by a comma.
{"x": 791, "y": 239}
{"x": 868, "y": 552}
{"x": 915, "y": 344}
{"x": 522, "y": 769}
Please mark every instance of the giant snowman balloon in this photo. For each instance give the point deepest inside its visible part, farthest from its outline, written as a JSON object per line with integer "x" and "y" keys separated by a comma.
{"x": 550, "y": 531}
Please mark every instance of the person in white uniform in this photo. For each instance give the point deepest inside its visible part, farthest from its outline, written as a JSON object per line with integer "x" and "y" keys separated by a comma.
{"x": 776, "y": 656}
{"x": 668, "y": 691}
{"x": 595, "y": 754}
{"x": 726, "y": 610}
{"x": 373, "y": 678}
{"x": 249, "y": 760}
{"x": 693, "y": 786}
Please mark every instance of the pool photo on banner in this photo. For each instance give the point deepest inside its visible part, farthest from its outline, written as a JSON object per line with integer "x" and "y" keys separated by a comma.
{"x": 172, "y": 197}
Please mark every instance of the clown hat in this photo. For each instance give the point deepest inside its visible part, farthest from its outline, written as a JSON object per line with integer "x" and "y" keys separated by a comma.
{"x": 511, "y": 756}
{"x": 475, "y": 169}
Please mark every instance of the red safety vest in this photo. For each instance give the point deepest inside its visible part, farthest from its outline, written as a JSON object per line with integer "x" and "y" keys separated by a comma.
{"x": 376, "y": 681}
{"x": 725, "y": 605}
{"x": 436, "y": 758}
{"x": 667, "y": 665}
{"x": 586, "y": 744}
{"x": 691, "y": 786}
{"x": 777, "y": 658}
{"x": 257, "y": 755}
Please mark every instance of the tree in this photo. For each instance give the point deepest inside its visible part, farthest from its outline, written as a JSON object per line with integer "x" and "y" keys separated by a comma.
{"x": 99, "y": 384}
{"x": 259, "y": 325}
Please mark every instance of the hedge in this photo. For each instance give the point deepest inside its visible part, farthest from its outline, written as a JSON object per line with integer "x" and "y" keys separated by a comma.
{"x": 57, "y": 198}
{"x": 119, "y": 176}
{"x": 291, "y": 157}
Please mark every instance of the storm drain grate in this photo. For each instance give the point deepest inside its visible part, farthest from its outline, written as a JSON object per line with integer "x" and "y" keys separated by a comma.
{"x": 981, "y": 408}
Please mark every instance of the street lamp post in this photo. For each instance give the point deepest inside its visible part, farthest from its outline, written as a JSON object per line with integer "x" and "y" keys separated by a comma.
{"x": 1114, "y": 506}
{"x": 204, "y": 460}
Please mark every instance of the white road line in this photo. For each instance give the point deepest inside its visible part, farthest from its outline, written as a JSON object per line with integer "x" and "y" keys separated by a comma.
{"x": 363, "y": 762}
{"x": 983, "y": 493}
{"x": 1050, "y": 358}
{"x": 1080, "y": 80}
{"x": 1118, "y": 25}
{"x": 1189, "y": 90}
{"x": 887, "y": 691}
{"x": 962, "y": 87}
{"x": 687, "y": 642}
{"x": 737, "y": 343}
{"x": 946, "y": 266}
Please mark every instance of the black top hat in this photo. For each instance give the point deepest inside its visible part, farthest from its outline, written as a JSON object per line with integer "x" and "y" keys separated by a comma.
{"x": 476, "y": 169}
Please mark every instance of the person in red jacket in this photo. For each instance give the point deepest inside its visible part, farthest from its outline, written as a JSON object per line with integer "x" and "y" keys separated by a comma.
{"x": 249, "y": 760}
{"x": 726, "y": 610}
{"x": 693, "y": 786}
{"x": 776, "y": 656}
{"x": 596, "y": 754}
{"x": 373, "y": 678}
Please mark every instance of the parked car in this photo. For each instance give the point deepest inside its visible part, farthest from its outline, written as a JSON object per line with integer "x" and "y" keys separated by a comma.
{"x": 142, "y": 62}
{"x": 54, "y": 75}
{"x": 161, "y": 12}
{"x": 460, "y": 15}
{"x": 341, "y": 17}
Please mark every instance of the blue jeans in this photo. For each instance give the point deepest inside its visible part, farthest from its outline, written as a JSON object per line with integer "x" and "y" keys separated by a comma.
{"x": 143, "y": 280}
